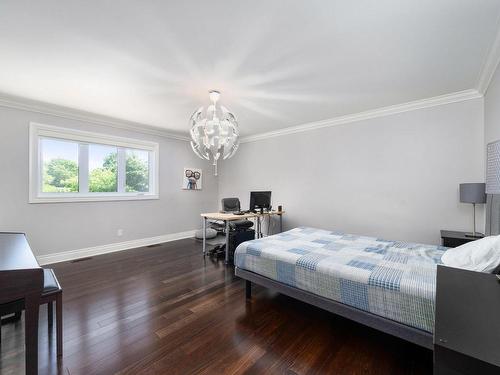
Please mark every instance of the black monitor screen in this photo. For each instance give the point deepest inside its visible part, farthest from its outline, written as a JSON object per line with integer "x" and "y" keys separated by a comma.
{"x": 260, "y": 199}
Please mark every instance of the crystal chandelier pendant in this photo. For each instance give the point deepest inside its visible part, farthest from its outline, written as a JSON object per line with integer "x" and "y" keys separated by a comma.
{"x": 214, "y": 132}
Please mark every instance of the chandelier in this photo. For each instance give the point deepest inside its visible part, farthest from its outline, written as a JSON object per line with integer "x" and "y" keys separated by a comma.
{"x": 214, "y": 132}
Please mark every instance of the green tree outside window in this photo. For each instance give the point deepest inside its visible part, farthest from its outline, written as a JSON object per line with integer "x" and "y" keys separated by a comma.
{"x": 61, "y": 175}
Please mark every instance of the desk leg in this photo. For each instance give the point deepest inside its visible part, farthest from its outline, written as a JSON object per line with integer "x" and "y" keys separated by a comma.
{"x": 204, "y": 235}
{"x": 281, "y": 223}
{"x": 227, "y": 242}
{"x": 32, "y": 305}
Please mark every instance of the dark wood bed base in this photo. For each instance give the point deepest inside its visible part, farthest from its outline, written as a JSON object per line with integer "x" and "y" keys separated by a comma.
{"x": 413, "y": 335}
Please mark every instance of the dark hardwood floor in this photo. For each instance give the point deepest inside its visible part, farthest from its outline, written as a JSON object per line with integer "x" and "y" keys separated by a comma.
{"x": 166, "y": 310}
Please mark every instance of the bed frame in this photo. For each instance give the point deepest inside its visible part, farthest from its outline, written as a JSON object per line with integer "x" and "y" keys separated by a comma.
{"x": 413, "y": 335}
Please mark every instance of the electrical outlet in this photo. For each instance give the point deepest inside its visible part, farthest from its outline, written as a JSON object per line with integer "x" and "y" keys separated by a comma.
{"x": 119, "y": 232}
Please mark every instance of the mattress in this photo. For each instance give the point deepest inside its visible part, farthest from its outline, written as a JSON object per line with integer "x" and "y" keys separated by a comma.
{"x": 392, "y": 279}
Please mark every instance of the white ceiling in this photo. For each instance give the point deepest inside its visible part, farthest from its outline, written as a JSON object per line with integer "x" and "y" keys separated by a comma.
{"x": 277, "y": 63}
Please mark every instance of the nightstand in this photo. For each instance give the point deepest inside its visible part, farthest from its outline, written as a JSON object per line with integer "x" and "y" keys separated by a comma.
{"x": 454, "y": 239}
{"x": 467, "y": 329}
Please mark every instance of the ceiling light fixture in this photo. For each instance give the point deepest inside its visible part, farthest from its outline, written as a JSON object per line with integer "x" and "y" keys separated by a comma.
{"x": 214, "y": 132}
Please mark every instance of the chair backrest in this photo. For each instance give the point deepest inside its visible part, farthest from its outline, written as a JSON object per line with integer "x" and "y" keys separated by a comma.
{"x": 230, "y": 204}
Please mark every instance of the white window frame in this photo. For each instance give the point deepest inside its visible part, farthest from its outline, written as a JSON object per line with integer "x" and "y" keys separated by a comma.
{"x": 39, "y": 131}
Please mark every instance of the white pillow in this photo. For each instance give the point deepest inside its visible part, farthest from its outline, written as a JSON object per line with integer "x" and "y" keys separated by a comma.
{"x": 481, "y": 255}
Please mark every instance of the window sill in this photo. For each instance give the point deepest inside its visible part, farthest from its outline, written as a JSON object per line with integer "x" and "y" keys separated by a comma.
{"x": 101, "y": 198}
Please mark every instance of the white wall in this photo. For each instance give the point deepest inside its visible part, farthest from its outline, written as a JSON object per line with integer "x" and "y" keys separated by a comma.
{"x": 57, "y": 227}
{"x": 395, "y": 177}
{"x": 492, "y": 109}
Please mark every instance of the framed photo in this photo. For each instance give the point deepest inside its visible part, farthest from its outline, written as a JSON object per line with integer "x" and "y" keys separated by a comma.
{"x": 192, "y": 179}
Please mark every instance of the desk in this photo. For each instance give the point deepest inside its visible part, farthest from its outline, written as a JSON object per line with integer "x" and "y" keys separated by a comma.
{"x": 227, "y": 218}
{"x": 22, "y": 278}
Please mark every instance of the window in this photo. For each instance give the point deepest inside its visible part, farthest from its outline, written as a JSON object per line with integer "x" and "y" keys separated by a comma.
{"x": 59, "y": 166}
{"x": 136, "y": 171}
{"x": 69, "y": 165}
{"x": 103, "y": 171}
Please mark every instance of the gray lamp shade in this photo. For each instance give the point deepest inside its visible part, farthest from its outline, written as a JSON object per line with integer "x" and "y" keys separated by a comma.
{"x": 473, "y": 193}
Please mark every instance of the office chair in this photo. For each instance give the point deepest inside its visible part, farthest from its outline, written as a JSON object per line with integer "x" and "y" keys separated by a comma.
{"x": 233, "y": 205}
{"x": 229, "y": 205}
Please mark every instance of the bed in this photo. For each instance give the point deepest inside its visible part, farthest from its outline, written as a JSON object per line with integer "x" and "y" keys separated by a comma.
{"x": 388, "y": 285}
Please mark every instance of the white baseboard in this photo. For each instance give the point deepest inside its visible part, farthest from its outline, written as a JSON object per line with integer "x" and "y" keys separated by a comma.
{"x": 111, "y": 248}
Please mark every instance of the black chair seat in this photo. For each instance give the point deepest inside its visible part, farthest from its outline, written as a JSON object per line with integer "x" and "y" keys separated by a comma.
{"x": 52, "y": 292}
{"x": 50, "y": 284}
{"x": 241, "y": 224}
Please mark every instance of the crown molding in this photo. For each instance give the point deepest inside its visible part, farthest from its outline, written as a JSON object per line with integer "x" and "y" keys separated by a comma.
{"x": 29, "y": 105}
{"x": 73, "y": 114}
{"x": 366, "y": 115}
{"x": 490, "y": 64}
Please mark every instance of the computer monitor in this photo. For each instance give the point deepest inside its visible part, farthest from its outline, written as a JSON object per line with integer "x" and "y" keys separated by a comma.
{"x": 260, "y": 199}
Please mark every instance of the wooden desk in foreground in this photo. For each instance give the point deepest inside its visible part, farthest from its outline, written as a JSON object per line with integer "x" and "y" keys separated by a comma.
{"x": 22, "y": 278}
{"x": 228, "y": 217}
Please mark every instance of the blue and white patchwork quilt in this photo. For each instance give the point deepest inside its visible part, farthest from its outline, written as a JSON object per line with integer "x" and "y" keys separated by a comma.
{"x": 393, "y": 279}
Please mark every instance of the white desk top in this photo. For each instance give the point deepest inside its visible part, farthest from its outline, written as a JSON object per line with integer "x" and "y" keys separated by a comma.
{"x": 232, "y": 217}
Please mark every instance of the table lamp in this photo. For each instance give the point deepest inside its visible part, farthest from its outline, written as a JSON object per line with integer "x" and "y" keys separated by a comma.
{"x": 474, "y": 193}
